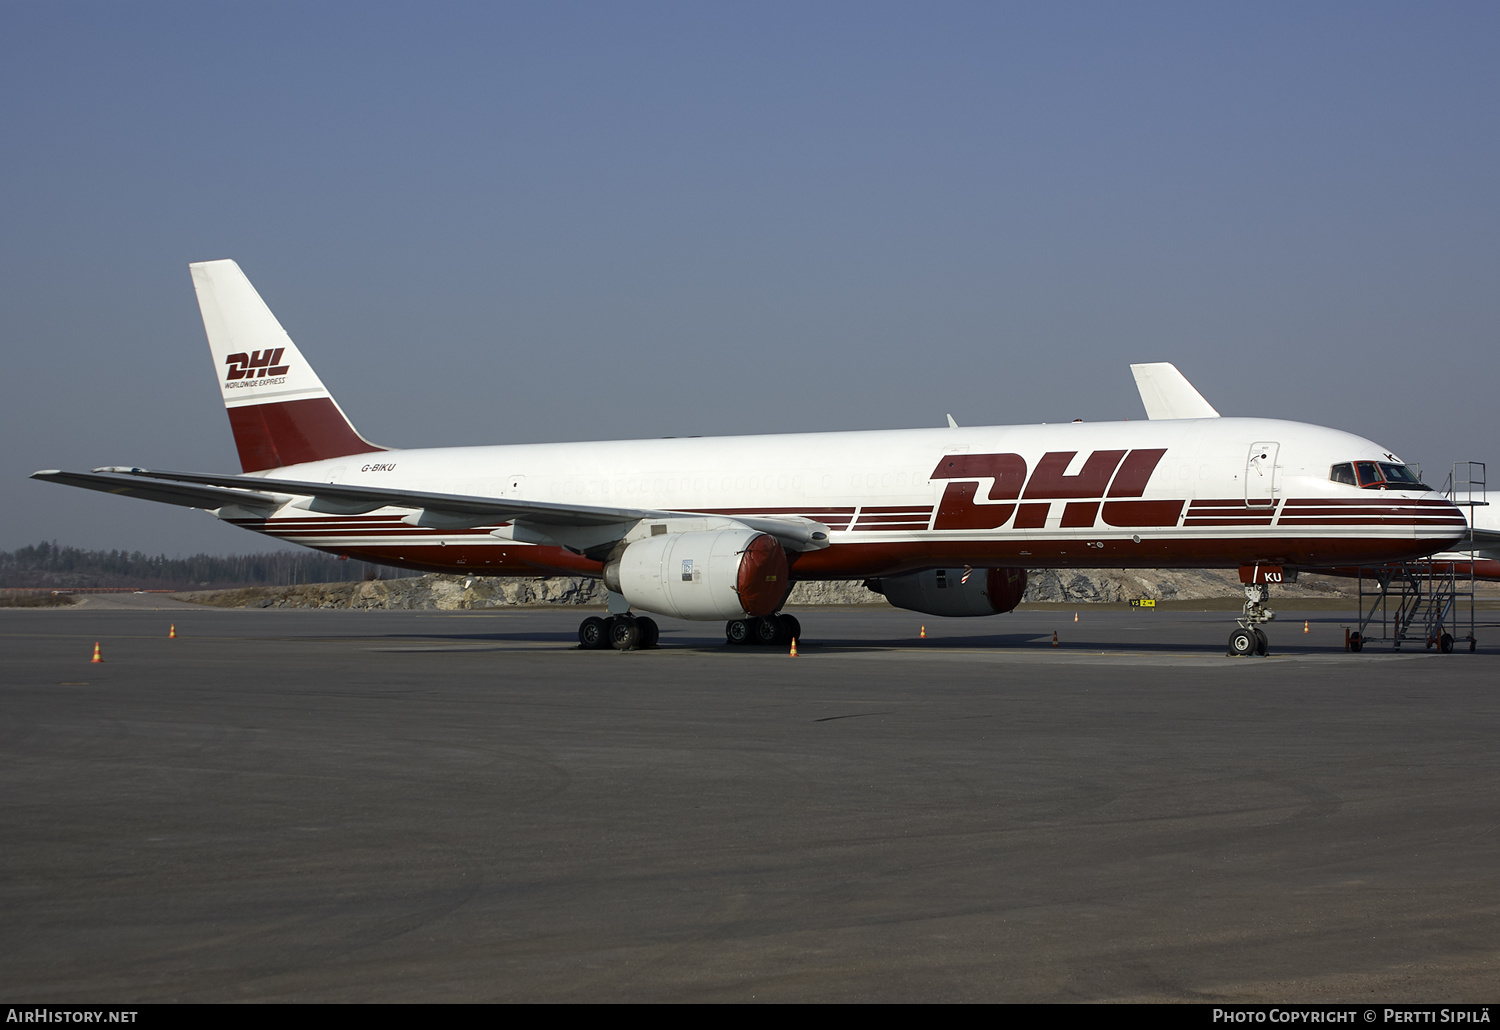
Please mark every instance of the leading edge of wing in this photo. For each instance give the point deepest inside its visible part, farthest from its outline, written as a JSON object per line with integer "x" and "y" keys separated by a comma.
{"x": 188, "y": 495}
{"x": 344, "y": 499}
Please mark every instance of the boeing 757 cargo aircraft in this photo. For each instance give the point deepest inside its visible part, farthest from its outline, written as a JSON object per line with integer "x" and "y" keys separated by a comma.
{"x": 941, "y": 521}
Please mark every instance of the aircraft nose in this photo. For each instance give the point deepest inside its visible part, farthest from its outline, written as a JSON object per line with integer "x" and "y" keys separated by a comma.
{"x": 1453, "y": 517}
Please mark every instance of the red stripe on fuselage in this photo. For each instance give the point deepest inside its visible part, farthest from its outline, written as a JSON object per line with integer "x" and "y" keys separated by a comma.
{"x": 888, "y": 558}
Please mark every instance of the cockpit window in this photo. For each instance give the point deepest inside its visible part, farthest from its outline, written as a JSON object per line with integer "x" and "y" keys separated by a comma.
{"x": 1376, "y": 475}
{"x": 1401, "y": 476}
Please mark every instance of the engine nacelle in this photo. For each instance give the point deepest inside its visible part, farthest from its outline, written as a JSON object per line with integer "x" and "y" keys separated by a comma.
{"x": 943, "y": 591}
{"x": 714, "y": 574}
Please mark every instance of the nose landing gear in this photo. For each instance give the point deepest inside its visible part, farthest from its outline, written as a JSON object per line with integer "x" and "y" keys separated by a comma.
{"x": 1249, "y": 638}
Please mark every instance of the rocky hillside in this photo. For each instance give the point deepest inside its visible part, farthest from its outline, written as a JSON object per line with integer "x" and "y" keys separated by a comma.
{"x": 1181, "y": 585}
{"x": 451, "y": 593}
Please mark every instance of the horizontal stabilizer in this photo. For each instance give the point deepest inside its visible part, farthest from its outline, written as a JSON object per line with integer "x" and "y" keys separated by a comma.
{"x": 1167, "y": 394}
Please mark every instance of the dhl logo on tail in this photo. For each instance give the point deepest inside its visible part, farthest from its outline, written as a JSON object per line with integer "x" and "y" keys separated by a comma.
{"x": 258, "y": 365}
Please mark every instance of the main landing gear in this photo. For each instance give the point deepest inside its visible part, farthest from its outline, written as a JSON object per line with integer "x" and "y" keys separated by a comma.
{"x": 1249, "y": 638}
{"x": 621, "y": 632}
{"x": 765, "y": 630}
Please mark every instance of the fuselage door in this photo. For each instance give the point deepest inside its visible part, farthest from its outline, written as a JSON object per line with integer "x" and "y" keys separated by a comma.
{"x": 1261, "y": 483}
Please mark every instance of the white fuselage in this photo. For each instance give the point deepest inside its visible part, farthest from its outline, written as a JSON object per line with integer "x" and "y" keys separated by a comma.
{"x": 1186, "y": 493}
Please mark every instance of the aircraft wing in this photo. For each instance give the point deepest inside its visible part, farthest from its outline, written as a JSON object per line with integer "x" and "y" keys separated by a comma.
{"x": 1485, "y": 541}
{"x": 189, "y": 495}
{"x": 203, "y": 490}
{"x": 1166, "y": 393}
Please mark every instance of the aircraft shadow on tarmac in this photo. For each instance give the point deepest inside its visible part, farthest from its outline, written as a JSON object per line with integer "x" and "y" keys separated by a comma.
{"x": 690, "y": 641}
{"x": 534, "y": 636}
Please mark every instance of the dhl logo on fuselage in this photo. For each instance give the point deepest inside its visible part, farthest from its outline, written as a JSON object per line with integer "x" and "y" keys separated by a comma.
{"x": 1103, "y": 486}
{"x": 259, "y": 365}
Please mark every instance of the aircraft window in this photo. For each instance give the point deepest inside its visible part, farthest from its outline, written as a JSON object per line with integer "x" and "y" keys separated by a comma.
{"x": 1377, "y": 475}
{"x": 1402, "y": 477}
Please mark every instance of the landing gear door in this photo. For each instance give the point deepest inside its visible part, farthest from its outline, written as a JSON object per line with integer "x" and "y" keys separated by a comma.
{"x": 1262, "y": 486}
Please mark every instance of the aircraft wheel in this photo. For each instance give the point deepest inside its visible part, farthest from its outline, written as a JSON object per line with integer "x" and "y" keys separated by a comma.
{"x": 1356, "y": 642}
{"x": 738, "y": 631}
{"x": 771, "y": 629}
{"x": 1242, "y": 642}
{"x": 593, "y": 634}
{"x": 624, "y": 634}
{"x": 794, "y": 628}
{"x": 650, "y": 632}
{"x": 1445, "y": 643}
{"x": 1262, "y": 642}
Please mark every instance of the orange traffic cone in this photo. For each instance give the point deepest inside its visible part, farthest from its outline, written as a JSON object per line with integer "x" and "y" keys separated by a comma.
{"x": 172, "y": 633}
{"x": 794, "y": 647}
{"x": 97, "y": 657}
{"x": 1054, "y": 638}
{"x": 924, "y": 631}
{"x": 1304, "y": 626}
{"x": 1075, "y": 616}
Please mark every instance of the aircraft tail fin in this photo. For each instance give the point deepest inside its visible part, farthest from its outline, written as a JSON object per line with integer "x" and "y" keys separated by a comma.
{"x": 279, "y": 410}
{"x": 1166, "y": 393}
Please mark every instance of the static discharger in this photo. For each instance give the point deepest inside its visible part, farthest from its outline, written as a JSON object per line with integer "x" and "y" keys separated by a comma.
{"x": 98, "y": 658}
{"x": 794, "y": 647}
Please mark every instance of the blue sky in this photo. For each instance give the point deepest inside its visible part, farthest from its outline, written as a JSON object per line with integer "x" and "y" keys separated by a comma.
{"x": 500, "y": 223}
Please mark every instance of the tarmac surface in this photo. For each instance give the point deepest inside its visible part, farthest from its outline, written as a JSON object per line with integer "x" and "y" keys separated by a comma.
{"x": 409, "y": 806}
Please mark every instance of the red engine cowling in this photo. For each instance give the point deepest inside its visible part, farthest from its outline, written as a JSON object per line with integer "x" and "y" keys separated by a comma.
{"x": 944, "y": 592}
